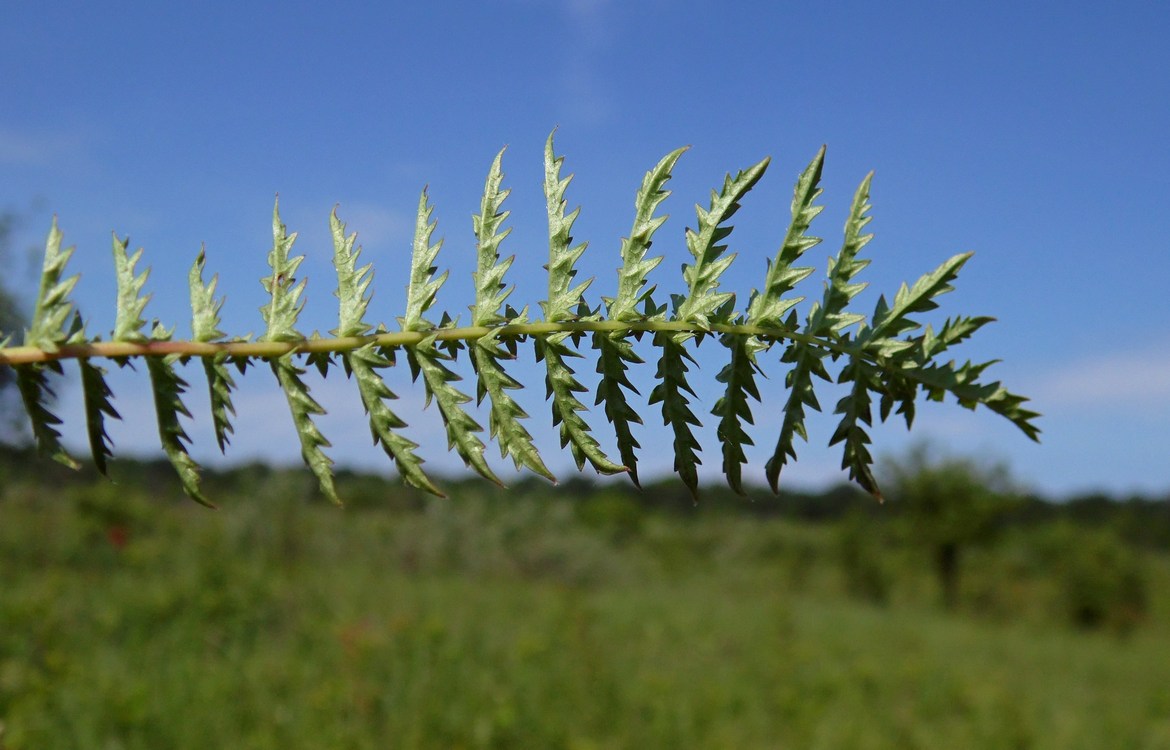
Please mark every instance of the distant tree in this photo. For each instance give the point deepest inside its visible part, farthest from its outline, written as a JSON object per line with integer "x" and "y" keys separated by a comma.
{"x": 1104, "y": 581}
{"x": 11, "y": 319}
{"x": 949, "y": 505}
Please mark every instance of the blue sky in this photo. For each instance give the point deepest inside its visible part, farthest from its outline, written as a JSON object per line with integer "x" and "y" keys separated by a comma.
{"x": 1031, "y": 133}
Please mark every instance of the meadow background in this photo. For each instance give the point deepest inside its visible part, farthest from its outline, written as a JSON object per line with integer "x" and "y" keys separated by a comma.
{"x": 574, "y": 617}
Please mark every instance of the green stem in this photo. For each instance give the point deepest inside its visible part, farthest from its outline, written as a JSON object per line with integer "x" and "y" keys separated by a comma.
{"x": 23, "y": 355}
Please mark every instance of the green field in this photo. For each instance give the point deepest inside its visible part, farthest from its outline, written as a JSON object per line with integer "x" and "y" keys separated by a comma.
{"x": 491, "y": 620}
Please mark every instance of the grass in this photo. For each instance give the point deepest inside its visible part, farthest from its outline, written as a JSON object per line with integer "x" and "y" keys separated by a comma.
{"x": 273, "y": 623}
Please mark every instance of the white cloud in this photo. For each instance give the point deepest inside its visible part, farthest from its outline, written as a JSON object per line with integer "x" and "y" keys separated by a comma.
{"x": 1134, "y": 379}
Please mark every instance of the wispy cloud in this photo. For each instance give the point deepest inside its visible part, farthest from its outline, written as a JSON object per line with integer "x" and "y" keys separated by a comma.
{"x": 17, "y": 148}
{"x": 589, "y": 19}
{"x": 1129, "y": 380}
{"x": 587, "y": 100}
{"x": 379, "y": 229}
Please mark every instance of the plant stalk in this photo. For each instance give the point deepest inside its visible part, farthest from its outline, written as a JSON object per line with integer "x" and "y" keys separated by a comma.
{"x": 23, "y": 355}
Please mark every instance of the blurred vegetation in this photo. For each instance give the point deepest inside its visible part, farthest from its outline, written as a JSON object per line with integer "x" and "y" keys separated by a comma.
{"x": 585, "y": 616}
{"x": 11, "y": 320}
{"x": 948, "y": 505}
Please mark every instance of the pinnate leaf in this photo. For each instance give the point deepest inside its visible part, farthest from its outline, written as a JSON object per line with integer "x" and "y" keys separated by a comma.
{"x": 887, "y": 362}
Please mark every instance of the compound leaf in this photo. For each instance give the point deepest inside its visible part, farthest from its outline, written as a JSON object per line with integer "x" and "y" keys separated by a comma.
{"x": 889, "y": 361}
